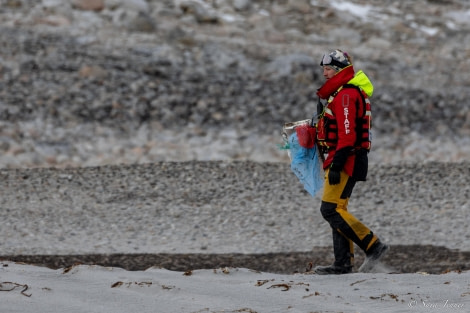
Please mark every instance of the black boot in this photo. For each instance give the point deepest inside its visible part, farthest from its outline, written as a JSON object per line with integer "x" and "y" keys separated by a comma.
{"x": 343, "y": 250}
{"x": 333, "y": 270}
{"x": 373, "y": 256}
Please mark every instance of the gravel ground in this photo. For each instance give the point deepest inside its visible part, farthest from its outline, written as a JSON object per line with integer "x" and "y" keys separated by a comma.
{"x": 240, "y": 211}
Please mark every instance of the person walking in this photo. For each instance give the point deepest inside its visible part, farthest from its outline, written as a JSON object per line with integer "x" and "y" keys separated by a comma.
{"x": 343, "y": 135}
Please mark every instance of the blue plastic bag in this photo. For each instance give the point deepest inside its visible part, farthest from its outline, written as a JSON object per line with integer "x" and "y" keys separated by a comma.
{"x": 306, "y": 165}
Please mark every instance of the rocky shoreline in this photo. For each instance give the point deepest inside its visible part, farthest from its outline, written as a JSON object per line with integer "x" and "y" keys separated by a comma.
{"x": 148, "y": 81}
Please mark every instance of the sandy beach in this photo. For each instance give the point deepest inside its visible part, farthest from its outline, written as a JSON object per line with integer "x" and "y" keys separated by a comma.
{"x": 29, "y": 289}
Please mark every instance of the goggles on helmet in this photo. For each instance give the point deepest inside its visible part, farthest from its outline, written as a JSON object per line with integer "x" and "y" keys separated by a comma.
{"x": 326, "y": 60}
{"x": 335, "y": 60}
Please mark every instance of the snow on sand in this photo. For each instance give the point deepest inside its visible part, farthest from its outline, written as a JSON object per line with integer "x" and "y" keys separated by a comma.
{"x": 84, "y": 288}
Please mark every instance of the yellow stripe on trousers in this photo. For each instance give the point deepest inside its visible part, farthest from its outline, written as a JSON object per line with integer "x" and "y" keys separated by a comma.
{"x": 332, "y": 194}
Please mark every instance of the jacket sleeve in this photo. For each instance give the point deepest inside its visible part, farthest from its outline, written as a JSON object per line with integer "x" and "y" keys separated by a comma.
{"x": 344, "y": 109}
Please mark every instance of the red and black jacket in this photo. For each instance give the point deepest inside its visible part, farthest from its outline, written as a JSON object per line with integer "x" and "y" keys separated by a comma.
{"x": 343, "y": 127}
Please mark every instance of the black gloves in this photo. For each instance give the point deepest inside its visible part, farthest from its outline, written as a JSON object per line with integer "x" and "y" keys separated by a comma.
{"x": 339, "y": 160}
{"x": 334, "y": 177}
